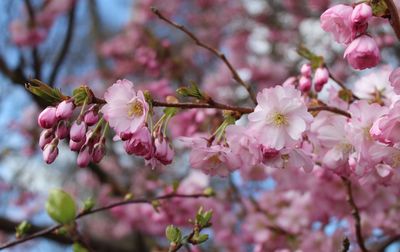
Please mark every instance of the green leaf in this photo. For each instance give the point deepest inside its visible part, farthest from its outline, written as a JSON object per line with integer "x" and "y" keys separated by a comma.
{"x": 202, "y": 238}
{"x": 209, "y": 192}
{"x": 315, "y": 60}
{"x": 82, "y": 94}
{"x": 60, "y": 206}
{"x": 379, "y": 8}
{"x": 191, "y": 91}
{"x": 77, "y": 247}
{"x": 45, "y": 92}
{"x": 88, "y": 204}
{"x": 22, "y": 229}
{"x": 173, "y": 234}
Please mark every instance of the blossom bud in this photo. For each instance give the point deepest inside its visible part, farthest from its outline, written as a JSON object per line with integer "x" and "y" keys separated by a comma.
{"x": 125, "y": 135}
{"x": 65, "y": 109}
{"x": 163, "y": 151}
{"x": 62, "y": 130}
{"x": 304, "y": 84}
{"x": 99, "y": 150}
{"x": 47, "y": 118}
{"x": 91, "y": 117}
{"x": 321, "y": 77}
{"x": 84, "y": 156}
{"x": 50, "y": 152}
{"x": 140, "y": 143}
{"x": 76, "y": 146}
{"x": 78, "y": 131}
{"x": 363, "y": 53}
{"x": 306, "y": 70}
{"x": 46, "y": 136}
{"x": 361, "y": 14}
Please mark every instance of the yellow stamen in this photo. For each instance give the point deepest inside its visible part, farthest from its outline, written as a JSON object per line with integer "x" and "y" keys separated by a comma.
{"x": 135, "y": 109}
{"x": 280, "y": 119}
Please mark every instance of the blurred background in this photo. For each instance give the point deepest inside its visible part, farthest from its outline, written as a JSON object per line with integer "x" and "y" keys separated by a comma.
{"x": 67, "y": 43}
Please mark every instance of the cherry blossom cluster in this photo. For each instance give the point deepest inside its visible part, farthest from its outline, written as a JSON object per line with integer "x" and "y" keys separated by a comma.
{"x": 33, "y": 30}
{"x": 321, "y": 77}
{"x": 58, "y": 123}
{"x": 349, "y": 26}
{"x": 127, "y": 112}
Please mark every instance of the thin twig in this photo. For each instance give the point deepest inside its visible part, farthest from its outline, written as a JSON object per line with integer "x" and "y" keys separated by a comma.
{"x": 341, "y": 84}
{"x": 216, "y": 52}
{"x": 394, "y": 17}
{"x": 65, "y": 47}
{"x": 356, "y": 214}
{"x": 186, "y": 105}
{"x": 330, "y": 109}
{"x": 99, "y": 209}
{"x": 35, "y": 52}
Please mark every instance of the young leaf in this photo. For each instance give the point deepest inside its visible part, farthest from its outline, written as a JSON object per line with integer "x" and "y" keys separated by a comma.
{"x": 60, "y": 206}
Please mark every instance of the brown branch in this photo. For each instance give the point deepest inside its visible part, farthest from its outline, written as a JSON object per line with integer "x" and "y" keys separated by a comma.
{"x": 356, "y": 214}
{"x": 341, "y": 84}
{"x": 65, "y": 47}
{"x": 216, "y": 52}
{"x": 188, "y": 105}
{"x": 35, "y": 53}
{"x": 330, "y": 109}
{"x": 394, "y": 17}
{"x": 99, "y": 209}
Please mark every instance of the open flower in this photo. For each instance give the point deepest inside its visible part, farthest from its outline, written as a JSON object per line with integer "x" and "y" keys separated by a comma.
{"x": 126, "y": 109}
{"x": 280, "y": 117}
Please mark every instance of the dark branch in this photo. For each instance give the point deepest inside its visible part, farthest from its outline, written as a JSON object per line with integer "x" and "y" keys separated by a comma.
{"x": 216, "y": 52}
{"x": 35, "y": 52}
{"x": 65, "y": 47}
{"x": 394, "y": 17}
{"x": 356, "y": 214}
{"x": 99, "y": 209}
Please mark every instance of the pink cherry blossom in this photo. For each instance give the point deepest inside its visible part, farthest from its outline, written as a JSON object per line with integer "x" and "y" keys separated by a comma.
{"x": 126, "y": 110}
{"x": 394, "y": 79}
{"x": 47, "y": 118}
{"x": 280, "y": 118}
{"x": 212, "y": 160}
{"x": 337, "y": 20}
{"x": 363, "y": 53}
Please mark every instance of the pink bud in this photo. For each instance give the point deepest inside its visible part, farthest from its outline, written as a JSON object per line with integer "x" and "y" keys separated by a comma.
{"x": 78, "y": 131}
{"x": 62, "y": 130}
{"x": 65, "y": 109}
{"x": 140, "y": 143}
{"x": 84, "y": 156}
{"x": 76, "y": 146}
{"x": 321, "y": 77}
{"x": 306, "y": 70}
{"x": 304, "y": 84}
{"x": 363, "y": 53}
{"x": 91, "y": 117}
{"x": 361, "y": 14}
{"x": 46, "y": 136}
{"x": 99, "y": 150}
{"x": 164, "y": 153}
{"x": 50, "y": 153}
{"x": 47, "y": 118}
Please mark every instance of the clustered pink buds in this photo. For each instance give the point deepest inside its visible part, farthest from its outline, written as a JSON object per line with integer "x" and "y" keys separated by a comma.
{"x": 56, "y": 123}
{"x": 321, "y": 77}
{"x": 349, "y": 27}
{"x": 126, "y": 111}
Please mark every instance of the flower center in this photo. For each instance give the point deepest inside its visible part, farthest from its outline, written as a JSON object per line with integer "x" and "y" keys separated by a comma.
{"x": 279, "y": 119}
{"x": 214, "y": 160}
{"x": 135, "y": 109}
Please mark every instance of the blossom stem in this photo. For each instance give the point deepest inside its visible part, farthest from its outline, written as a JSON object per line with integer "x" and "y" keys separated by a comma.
{"x": 394, "y": 17}
{"x": 341, "y": 84}
{"x": 216, "y": 52}
{"x": 356, "y": 214}
{"x": 100, "y": 209}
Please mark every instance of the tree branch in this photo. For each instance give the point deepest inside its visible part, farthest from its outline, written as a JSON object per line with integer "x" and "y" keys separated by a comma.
{"x": 216, "y": 52}
{"x": 35, "y": 53}
{"x": 99, "y": 209}
{"x": 65, "y": 47}
{"x": 356, "y": 214}
{"x": 394, "y": 17}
